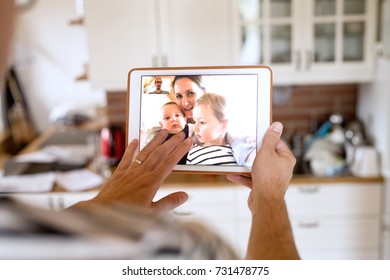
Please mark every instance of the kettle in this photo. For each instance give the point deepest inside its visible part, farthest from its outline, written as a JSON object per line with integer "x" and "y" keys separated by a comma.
{"x": 365, "y": 162}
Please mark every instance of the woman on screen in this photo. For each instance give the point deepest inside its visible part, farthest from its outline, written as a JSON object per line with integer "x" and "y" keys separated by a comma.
{"x": 210, "y": 130}
{"x": 187, "y": 90}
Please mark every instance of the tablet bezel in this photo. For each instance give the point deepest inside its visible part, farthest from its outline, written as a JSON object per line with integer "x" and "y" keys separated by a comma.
{"x": 264, "y": 108}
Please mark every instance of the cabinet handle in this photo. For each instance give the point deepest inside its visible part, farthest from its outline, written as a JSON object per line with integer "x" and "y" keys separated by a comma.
{"x": 309, "y": 225}
{"x": 309, "y": 190}
{"x": 77, "y": 21}
{"x": 309, "y": 60}
{"x": 61, "y": 203}
{"x": 154, "y": 60}
{"x": 164, "y": 60}
{"x": 298, "y": 58}
{"x": 183, "y": 213}
{"x": 51, "y": 202}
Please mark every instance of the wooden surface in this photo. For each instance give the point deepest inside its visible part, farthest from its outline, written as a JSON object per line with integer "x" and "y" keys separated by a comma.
{"x": 220, "y": 180}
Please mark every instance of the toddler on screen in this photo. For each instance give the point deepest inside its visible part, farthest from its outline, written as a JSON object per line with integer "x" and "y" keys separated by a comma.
{"x": 210, "y": 130}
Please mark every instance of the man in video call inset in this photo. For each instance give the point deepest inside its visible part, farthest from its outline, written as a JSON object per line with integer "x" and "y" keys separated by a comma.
{"x": 158, "y": 84}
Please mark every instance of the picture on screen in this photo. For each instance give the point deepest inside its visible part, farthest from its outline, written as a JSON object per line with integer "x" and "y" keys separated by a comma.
{"x": 219, "y": 112}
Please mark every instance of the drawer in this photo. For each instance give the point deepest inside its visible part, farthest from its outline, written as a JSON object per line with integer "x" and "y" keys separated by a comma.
{"x": 332, "y": 254}
{"x": 336, "y": 234}
{"x": 206, "y": 203}
{"x": 333, "y": 199}
{"x": 202, "y": 194}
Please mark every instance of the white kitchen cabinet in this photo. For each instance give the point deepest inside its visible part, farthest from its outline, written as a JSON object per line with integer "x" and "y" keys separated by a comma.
{"x": 329, "y": 220}
{"x": 336, "y": 220}
{"x": 386, "y": 237}
{"x": 124, "y": 34}
{"x": 308, "y": 41}
{"x": 216, "y": 207}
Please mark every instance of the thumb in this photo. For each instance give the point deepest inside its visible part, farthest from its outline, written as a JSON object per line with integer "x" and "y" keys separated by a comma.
{"x": 170, "y": 202}
{"x": 272, "y": 136}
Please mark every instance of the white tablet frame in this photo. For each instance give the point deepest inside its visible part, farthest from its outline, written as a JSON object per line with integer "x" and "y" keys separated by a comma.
{"x": 264, "y": 108}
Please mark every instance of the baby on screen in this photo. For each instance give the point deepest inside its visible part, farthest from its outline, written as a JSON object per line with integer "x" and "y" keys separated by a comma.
{"x": 172, "y": 119}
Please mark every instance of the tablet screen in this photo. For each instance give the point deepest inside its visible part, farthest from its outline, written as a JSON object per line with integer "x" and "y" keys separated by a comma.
{"x": 219, "y": 111}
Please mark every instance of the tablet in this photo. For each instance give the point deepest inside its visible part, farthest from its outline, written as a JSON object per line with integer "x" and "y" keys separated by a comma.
{"x": 226, "y": 110}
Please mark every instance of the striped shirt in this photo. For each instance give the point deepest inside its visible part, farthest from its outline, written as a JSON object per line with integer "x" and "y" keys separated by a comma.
{"x": 211, "y": 155}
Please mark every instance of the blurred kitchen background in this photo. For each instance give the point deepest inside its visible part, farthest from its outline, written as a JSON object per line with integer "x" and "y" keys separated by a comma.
{"x": 331, "y": 70}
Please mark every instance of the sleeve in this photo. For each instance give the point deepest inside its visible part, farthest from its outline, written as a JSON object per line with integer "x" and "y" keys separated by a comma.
{"x": 242, "y": 148}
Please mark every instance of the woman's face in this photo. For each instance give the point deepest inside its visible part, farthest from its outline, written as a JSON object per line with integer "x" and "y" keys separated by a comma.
{"x": 208, "y": 129}
{"x": 187, "y": 92}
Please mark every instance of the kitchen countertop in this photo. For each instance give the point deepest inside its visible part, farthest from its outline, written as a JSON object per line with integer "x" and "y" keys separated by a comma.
{"x": 205, "y": 180}
{"x": 181, "y": 180}
{"x": 309, "y": 179}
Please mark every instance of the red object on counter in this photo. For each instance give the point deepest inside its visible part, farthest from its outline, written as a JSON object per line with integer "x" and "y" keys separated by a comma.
{"x": 112, "y": 143}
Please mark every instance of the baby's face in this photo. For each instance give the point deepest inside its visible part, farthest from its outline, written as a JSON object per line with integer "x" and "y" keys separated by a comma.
{"x": 172, "y": 118}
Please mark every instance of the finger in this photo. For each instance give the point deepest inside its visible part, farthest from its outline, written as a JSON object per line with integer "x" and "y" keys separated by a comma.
{"x": 240, "y": 179}
{"x": 165, "y": 164}
{"x": 169, "y": 152}
{"x": 170, "y": 201}
{"x": 128, "y": 155}
{"x": 272, "y": 136}
{"x": 157, "y": 140}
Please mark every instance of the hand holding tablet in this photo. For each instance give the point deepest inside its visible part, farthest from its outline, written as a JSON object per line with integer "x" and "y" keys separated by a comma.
{"x": 226, "y": 111}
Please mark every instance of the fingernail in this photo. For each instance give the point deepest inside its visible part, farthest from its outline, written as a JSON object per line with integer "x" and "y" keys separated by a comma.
{"x": 277, "y": 127}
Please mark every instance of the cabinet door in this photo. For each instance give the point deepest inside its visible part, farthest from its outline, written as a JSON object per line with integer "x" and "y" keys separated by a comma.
{"x": 308, "y": 41}
{"x": 339, "y": 40}
{"x": 196, "y": 33}
{"x": 121, "y": 35}
{"x": 337, "y": 238}
{"x": 214, "y": 207}
{"x": 268, "y": 35}
{"x": 386, "y": 237}
{"x": 336, "y": 234}
{"x": 339, "y": 221}
{"x": 334, "y": 200}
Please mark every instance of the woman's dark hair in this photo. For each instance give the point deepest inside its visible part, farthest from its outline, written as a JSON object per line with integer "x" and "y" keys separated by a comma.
{"x": 195, "y": 78}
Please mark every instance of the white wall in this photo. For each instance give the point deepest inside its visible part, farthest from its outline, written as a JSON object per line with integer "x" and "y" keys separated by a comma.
{"x": 374, "y": 100}
{"x": 49, "y": 53}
